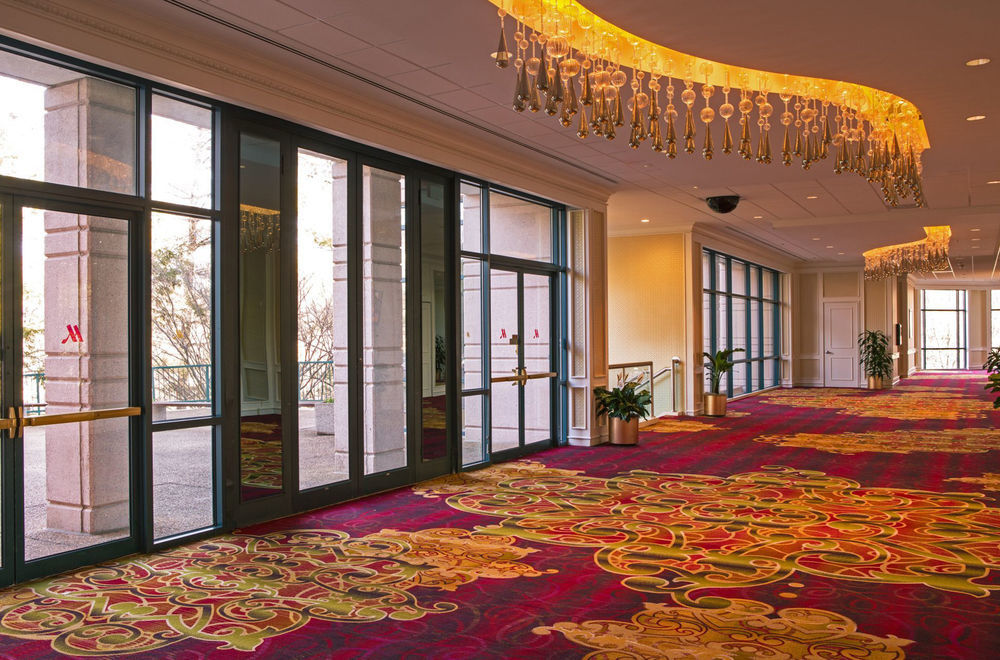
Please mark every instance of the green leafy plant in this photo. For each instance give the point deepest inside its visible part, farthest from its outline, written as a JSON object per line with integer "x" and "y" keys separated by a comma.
{"x": 992, "y": 366}
{"x": 718, "y": 365}
{"x": 624, "y": 402}
{"x": 440, "y": 358}
{"x": 875, "y": 357}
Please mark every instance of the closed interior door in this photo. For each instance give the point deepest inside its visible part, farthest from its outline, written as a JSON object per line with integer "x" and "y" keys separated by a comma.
{"x": 840, "y": 325}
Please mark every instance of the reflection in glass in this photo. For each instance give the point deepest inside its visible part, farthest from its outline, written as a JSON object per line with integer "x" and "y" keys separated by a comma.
{"x": 75, "y": 357}
{"x": 62, "y": 126}
{"x": 472, "y": 324}
{"x": 474, "y": 449}
{"x": 383, "y": 315}
{"x": 322, "y": 320}
{"x": 182, "y": 481}
{"x": 504, "y": 344}
{"x": 434, "y": 326}
{"x": 519, "y": 228}
{"x": 260, "y": 367}
{"x": 181, "y": 316}
{"x": 537, "y": 349}
{"x": 181, "y": 152}
{"x": 471, "y": 218}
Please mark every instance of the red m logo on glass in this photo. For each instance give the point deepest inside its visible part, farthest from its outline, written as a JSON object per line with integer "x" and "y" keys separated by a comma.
{"x": 74, "y": 334}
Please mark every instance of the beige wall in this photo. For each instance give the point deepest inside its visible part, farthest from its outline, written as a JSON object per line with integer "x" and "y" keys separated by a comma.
{"x": 810, "y": 290}
{"x": 646, "y": 304}
{"x": 882, "y": 313}
{"x": 979, "y": 327}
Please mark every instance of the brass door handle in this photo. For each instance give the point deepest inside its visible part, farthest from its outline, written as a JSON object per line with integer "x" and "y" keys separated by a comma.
{"x": 16, "y": 421}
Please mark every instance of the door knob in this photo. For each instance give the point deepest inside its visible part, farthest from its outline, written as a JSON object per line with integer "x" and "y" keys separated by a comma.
{"x": 829, "y": 352}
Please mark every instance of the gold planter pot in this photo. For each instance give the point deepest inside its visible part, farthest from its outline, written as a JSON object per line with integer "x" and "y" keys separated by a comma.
{"x": 875, "y": 383}
{"x": 715, "y": 405}
{"x": 624, "y": 432}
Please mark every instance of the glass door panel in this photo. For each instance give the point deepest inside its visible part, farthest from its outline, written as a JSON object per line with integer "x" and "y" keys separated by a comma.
{"x": 322, "y": 320}
{"x": 537, "y": 362}
{"x": 383, "y": 337}
{"x": 434, "y": 321}
{"x": 74, "y": 369}
{"x": 505, "y": 360}
{"x": 261, "y": 449}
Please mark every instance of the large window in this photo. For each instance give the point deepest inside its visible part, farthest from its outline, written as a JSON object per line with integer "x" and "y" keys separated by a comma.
{"x": 995, "y": 318}
{"x": 943, "y": 315}
{"x": 742, "y": 311}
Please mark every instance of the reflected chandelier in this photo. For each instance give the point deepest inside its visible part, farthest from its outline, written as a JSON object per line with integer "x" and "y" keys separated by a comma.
{"x": 923, "y": 256}
{"x": 259, "y": 228}
{"x": 874, "y": 134}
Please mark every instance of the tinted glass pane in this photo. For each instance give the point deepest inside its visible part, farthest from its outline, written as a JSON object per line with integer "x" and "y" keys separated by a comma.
{"x": 434, "y": 326}
{"x": 472, "y": 218}
{"x": 61, "y": 126}
{"x": 181, "y": 315}
{"x": 181, "y": 153}
{"x": 770, "y": 373}
{"x": 940, "y": 329}
{"x": 706, "y": 321}
{"x": 383, "y": 314}
{"x": 769, "y": 286}
{"x": 322, "y": 319}
{"x": 706, "y": 270}
{"x": 755, "y": 281}
{"x": 940, "y": 299}
{"x": 739, "y": 277}
{"x": 472, "y": 324}
{"x": 739, "y": 378}
{"x": 519, "y": 228}
{"x": 182, "y": 481}
{"x": 474, "y": 448}
{"x": 721, "y": 280}
{"x": 995, "y": 329}
{"x": 261, "y": 445}
{"x": 739, "y": 326}
{"x": 721, "y": 323}
{"x": 755, "y": 332}
{"x": 768, "y": 330}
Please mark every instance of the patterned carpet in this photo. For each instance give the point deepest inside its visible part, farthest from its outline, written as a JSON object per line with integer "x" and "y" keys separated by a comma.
{"x": 812, "y": 524}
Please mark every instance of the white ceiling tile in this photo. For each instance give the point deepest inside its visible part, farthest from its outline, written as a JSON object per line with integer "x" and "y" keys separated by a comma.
{"x": 270, "y": 14}
{"x": 379, "y": 62}
{"x": 324, "y": 38}
{"x": 424, "y": 82}
{"x": 464, "y": 100}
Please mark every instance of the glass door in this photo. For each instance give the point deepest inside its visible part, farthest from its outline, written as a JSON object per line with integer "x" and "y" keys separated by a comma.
{"x": 522, "y": 364}
{"x": 71, "y": 427}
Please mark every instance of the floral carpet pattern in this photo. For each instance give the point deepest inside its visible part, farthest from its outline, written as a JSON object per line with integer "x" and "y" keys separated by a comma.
{"x": 960, "y": 441}
{"x": 677, "y": 533}
{"x": 260, "y": 453}
{"x": 744, "y": 629}
{"x": 241, "y": 589}
{"x": 808, "y": 523}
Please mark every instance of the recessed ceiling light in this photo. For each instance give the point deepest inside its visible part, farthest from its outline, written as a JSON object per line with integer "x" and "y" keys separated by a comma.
{"x": 694, "y": 187}
{"x": 993, "y": 183}
{"x": 812, "y": 196}
{"x": 979, "y": 61}
{"x": 815, "y": 238}
{"x": 840, "y": 253}
{"x": 757, "y": 217}
{"x": 829, "y": 247}
{"x": 975, "y": 118}
{"x": 975, "y": 238}
{"x": 975, "y": 229}
{"x": 644, "y": 220}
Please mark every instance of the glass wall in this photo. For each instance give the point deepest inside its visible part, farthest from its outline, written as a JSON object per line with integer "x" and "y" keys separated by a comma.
{"x": 742, "y": 311}
{"x": 944, "y": 325}
{"x": 995, "y": 318}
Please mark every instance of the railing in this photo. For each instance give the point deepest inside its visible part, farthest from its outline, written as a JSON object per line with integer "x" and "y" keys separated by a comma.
{"x": 33, "y": 393}
{"x": 192, "y": 383}
{"x": 628, "y": 368}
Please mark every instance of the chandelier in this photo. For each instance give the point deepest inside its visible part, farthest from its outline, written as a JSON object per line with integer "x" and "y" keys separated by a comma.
{"x": 923, "y": 256}
{"x": 573, "y": 64}
{"x": 259, "y": 228}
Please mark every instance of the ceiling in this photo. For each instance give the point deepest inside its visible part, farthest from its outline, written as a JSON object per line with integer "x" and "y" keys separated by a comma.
{"x": 437, "y": 51}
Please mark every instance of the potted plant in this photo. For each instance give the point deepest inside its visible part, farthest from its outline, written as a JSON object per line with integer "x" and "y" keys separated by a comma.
{"x": 324, "y": 416}
{"x": 625, "y": 406}
{"x": 718, "y": 365}
{"x": 875, "y": 358}
{"x": 992, "y": 367}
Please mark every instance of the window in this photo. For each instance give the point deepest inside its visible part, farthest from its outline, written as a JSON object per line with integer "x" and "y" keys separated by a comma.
{"x": 995, "y": 318}
{"x": 943, "y": 314}
{"x": 742, "y": 310}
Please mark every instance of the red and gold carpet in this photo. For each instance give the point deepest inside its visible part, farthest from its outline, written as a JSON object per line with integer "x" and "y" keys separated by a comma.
{"x": 809, "y": 527}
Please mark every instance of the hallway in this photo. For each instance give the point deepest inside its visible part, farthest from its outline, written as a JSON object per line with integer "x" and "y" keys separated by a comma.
{"x": 841, "y": 522}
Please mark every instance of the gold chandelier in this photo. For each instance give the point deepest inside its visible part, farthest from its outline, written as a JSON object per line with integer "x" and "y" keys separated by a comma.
{"x": 259, "y": 228}
{"x": 923, "y": 256}
{"x": 872, "y": 133}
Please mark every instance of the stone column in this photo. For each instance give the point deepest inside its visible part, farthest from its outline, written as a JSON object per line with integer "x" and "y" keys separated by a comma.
{"x": 89, "y": 142}
{"x": 341, "y": 397}
{"x": 383, "y": 310}
{"x": 588, "y": 324}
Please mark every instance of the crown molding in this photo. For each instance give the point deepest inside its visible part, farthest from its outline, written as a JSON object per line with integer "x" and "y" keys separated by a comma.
{"x": 110, "y": 34}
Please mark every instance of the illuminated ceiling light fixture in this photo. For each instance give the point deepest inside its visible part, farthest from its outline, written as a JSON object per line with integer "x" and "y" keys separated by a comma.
{"x": 975, "y": 118}
{"x": 872, "y": 133}
{"x": 979, "y": 61}
{"x": 923, "y": 256}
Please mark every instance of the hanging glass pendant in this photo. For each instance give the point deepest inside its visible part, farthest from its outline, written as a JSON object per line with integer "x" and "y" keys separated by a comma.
{"x": 786, "y": 149}
{"x": 523, "y": 89}
{"x": 727, "y": 139}
{"x": 655, "y": 134}
{"x": 609, "y": 130}
{"x": 708, "y": 149}
{"x": 689, "y": 132}
{"x": 557, "y": 84}
{"x": 502, "y": 57}
{"x": 542, "y": 78}
{"x": 619, "y": 116}
{"x": 745, "y": 139}
{"x": 588, "y": 90}
{"x": 551, "y": 105}
{"x": 581, "y": 128}
{"x": 535, "y": 100}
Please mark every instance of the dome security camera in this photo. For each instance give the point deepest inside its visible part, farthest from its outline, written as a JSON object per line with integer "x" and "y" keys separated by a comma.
{"x": 723, "y": 203}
